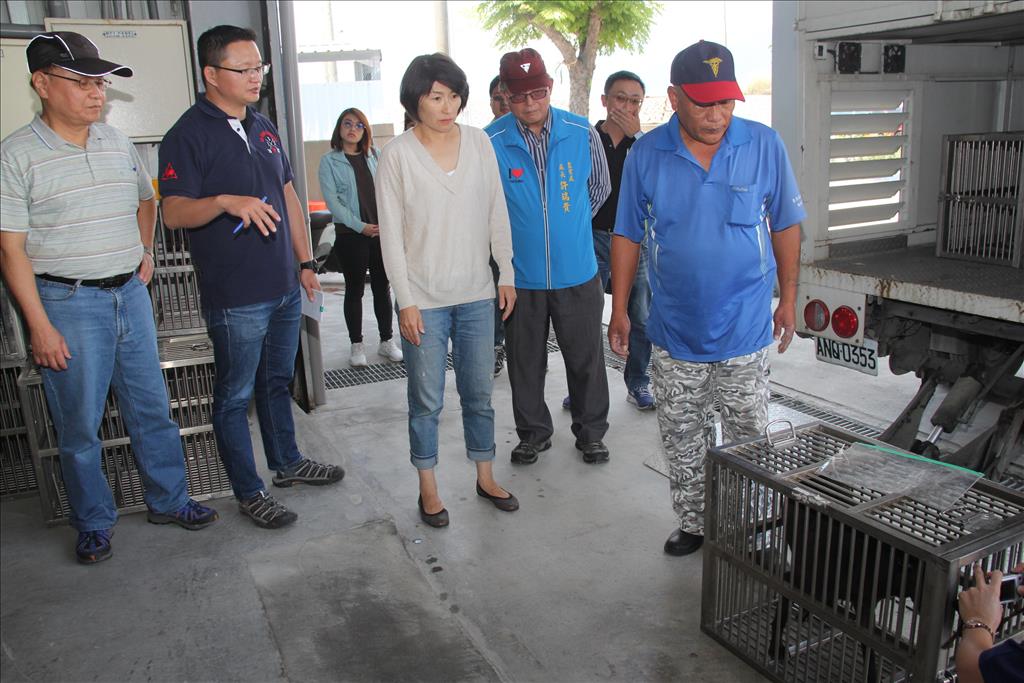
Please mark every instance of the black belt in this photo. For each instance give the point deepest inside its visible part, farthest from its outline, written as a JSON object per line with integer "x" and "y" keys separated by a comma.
{"x": 112, "y": 282}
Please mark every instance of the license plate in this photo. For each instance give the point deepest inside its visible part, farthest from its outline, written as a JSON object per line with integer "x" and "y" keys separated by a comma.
{"x": 861, "y": 358}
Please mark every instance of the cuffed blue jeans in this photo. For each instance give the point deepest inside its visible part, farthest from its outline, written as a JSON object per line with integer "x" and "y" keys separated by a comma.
{"x": 470, "y": 327}
{"x": 254, "y": 347}
{"x": 112, "y": 339}
{"x": 639, "y": 308}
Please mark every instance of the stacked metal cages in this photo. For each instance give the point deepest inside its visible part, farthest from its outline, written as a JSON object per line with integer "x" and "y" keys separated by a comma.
{"x": 17, "y": 474}
{"x": 188, "y": 369}
{"x": 981, "y": 204}
{"x": 175, "y": 287}
{"x": 810, "y": 579}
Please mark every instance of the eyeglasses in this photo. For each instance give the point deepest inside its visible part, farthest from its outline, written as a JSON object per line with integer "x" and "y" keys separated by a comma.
{"x": 259, "y": 71}
{"x": 358, "y": 125}
{"x": 622, "y": 100}
{"x": 538, "y": 94}
{"x": 85, "y": 84}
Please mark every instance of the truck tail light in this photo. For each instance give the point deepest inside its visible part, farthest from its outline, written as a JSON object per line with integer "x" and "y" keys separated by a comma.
{"x": 845, "y": 322}
{"x": 816, "y": 315}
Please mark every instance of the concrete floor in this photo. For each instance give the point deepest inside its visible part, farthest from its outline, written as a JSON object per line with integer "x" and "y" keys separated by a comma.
{"x": 573, "y": 587}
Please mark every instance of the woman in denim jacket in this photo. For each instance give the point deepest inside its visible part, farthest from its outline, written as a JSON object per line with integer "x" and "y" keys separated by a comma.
{"x": 347, "y": 176}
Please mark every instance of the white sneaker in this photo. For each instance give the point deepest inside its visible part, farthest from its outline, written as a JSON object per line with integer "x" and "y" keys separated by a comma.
{"x": 389, "y": 349}
{"x": 358, "y": 357}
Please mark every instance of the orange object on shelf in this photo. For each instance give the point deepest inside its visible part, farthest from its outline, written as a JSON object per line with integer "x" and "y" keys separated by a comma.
{"x": 317, "y": 206}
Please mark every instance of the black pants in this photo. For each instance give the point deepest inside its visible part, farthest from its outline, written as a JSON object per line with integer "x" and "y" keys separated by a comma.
{"x": 357, "y": 254}
{"x": 575, "y": 313}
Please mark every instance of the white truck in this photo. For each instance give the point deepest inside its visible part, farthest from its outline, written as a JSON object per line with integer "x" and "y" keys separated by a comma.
{"x": 904, "y": 122}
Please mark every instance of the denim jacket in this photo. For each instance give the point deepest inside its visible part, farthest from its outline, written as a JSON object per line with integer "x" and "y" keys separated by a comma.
{"x": 338, "y": 186}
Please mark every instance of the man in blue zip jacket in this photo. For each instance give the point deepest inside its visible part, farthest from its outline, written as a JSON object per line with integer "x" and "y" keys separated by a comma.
{"x": 555, "y": 177}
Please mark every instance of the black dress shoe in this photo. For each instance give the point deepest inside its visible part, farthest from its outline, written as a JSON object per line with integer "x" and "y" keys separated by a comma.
{"x": 593, "y": 452}
{"x": 526, "y": 453}
{"x": 682, "y": 543}
{"x": 509, "y": 504}
{"x": 436, "y": 520}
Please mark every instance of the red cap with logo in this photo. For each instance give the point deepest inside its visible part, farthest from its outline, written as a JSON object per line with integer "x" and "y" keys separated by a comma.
{"x": 523, "y": 71}
{"x": 706, "y": 73}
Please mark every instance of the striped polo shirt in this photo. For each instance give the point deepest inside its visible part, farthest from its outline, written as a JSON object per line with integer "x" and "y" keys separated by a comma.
{"x": 77, "y": 205}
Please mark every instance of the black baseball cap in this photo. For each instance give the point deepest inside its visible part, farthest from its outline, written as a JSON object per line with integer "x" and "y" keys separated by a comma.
{"x": 706, "y": 73}
{"x": 71, "y": 51}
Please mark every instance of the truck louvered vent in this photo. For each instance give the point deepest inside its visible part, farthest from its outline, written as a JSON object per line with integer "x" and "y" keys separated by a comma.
{"x": 868, "y": 158}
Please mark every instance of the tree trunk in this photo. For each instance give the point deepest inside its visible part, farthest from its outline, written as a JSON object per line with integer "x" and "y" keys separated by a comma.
{"x": 580, "y": 77}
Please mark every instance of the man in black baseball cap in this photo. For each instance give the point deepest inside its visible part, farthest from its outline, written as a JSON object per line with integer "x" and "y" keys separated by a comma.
{"x": 728, "y": 221}
{"x": 71, "y": 51}
{"x": 76, "y": 251}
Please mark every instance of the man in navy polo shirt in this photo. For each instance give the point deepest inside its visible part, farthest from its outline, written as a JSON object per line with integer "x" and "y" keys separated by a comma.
{"x": 224, "y": 175}
{"x": 722, "y": 210}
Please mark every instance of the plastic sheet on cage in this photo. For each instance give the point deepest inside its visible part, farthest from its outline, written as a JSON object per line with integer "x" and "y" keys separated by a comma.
{"x": 889, "y": 470}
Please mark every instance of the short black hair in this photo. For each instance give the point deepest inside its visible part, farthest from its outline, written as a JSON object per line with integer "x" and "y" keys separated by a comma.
{"x": 212, "y": 43}
{"x": 494, "y": 85}
{"x": 422, "y": 73}
{"x": 623, "y": 76}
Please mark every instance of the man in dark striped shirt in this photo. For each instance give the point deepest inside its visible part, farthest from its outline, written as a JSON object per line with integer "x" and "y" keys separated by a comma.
{"x": 545, "y": 157}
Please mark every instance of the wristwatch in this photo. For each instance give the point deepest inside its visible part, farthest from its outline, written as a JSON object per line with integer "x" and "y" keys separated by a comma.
{"x": 308, "y": 265}
{"x": 978, "y": 623}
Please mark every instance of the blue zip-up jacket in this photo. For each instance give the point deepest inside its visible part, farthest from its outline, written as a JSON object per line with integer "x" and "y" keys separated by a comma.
{"x": 338, "y": 186}
{"x": 552, "y": 242}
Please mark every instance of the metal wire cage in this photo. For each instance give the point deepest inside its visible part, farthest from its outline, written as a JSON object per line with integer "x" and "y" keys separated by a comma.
{"x": 17, "y": 473}
{"x": 981, "y": 204}
{"x": 177, "y": 308}
{"x": 189, "y": 372}
{"x": 810, "y": 579}
{"x": 13, "y": 349}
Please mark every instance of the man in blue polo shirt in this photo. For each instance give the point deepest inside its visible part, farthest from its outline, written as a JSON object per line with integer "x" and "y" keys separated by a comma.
{"x": 224, "y": 175}
{"x": 722, "y": 210}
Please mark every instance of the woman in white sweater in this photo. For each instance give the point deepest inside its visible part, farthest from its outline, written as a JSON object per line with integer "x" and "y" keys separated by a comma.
{"x": 442, "y": 215}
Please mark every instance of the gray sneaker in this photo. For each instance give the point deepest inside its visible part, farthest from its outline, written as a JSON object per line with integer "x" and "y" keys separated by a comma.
{"x": 266, "y": 512}
{"x": 309, "y": 472}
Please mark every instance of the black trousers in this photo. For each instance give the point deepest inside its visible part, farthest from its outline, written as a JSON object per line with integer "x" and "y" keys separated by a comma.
{"x": 358, "y": 253}
{"x": 575, "y": 313}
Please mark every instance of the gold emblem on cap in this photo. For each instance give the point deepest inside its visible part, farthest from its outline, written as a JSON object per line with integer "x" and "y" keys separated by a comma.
{"x": 714, "y": 63}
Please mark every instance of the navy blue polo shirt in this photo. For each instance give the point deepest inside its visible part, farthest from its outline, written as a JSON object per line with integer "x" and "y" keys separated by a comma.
{"x": 202, "y": 156}
{"x": 711, "y": 265}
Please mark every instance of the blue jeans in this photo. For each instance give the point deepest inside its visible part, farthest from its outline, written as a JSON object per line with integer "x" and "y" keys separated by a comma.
{"x": 112, "y": 339}
{"x": 254, "y": 347}
{"x": 639, "y": 307}
{"x": 470, "y": 327}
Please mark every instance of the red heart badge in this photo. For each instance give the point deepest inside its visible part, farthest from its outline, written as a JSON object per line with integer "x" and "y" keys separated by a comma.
{"x": 517, "y": 172}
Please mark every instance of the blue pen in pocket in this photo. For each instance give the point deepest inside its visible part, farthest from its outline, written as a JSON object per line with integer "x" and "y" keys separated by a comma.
{"x": 241, "y": 224}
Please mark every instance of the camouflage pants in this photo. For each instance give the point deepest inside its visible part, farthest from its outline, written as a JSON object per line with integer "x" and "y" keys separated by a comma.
{"x": 684, "y": 392}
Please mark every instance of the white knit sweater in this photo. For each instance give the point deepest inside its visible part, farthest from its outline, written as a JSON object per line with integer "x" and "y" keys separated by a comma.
{"x": 438, "y": 231}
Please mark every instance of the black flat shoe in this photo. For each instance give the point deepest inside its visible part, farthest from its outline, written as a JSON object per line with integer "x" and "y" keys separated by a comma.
{"x": 509, "y": 504}
{"x": 436, "y": 520}
{"x": 682, "y": 543}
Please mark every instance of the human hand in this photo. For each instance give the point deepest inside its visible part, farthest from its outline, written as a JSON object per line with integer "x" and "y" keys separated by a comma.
{"x": 618, "y": 334}
{"x": 981, "y": 601}
{"x": 309, "y": 282}
{"x": 371, "y": 230}
{"x": 410, "y": 324}
{"x": 252, "y": 211}
{"x": 49, "y": 349}
{"x": 784, "y": 324}
{"x": 146, "y": 267}
{"x": 628, "y": 121}
{"x": 506, "y": 300}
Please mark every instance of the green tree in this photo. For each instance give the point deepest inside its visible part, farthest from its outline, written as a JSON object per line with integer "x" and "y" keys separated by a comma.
{"x": 580, "y": 29}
